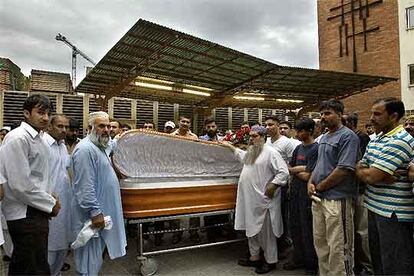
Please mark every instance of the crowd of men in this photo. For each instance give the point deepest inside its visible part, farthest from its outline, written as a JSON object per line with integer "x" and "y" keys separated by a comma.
{"x": 343, "y": 198}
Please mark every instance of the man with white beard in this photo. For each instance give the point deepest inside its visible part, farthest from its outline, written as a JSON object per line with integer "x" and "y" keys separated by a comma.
{"x": 96, "y": 194}
{"x": 258, "y": 208}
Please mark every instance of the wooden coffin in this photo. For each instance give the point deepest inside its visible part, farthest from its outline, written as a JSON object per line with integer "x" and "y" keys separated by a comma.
{"x": 174, "y": 198}
{"x": 168, "y": 175}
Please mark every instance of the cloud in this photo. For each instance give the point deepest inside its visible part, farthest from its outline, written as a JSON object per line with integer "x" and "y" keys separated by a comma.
{"x": 283, "y": 32}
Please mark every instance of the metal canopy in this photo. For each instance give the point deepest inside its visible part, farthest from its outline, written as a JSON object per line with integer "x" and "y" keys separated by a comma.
{"x": 157, "y": 52}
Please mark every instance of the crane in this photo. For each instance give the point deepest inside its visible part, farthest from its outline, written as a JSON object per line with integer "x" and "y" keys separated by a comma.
{"x": 75, "y": 52}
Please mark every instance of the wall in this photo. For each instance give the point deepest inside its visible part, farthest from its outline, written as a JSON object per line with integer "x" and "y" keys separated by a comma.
{"x": 381, "y": 57}
{"x": 406, "y": 54}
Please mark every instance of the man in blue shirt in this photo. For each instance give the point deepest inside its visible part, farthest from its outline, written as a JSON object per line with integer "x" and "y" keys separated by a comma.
{"x": 333, "y": 179}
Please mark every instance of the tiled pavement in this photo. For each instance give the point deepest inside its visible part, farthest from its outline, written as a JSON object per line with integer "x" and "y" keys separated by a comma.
{"x": 216, "y": 261}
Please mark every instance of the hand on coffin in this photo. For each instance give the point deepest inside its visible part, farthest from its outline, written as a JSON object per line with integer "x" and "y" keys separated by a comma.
{"x": 228, "y": 145}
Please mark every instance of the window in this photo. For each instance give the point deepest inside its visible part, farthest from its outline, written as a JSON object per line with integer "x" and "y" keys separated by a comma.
{"x": 411, "y": 73}
{"x": 410, "y": 17}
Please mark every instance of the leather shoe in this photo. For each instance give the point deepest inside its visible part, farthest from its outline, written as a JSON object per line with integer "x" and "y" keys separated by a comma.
{"x": 265, "y": 268}
{"x": 248, "y": 262}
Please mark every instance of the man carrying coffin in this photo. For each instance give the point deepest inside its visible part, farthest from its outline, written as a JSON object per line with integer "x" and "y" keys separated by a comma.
{"x": 258, "y": 199}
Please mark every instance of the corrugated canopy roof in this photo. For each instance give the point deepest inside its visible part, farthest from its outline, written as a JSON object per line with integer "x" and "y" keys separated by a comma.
{"x": 158, "y": 55}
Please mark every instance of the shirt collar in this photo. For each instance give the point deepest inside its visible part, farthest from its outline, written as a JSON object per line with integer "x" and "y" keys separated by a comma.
{"x": 49, "y": 139}
{"x": 33, "y": 132}
{"x": 394, "y": 131}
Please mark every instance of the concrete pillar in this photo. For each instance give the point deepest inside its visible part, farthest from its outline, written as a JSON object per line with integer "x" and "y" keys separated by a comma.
{"x": 1, "y": 108}
{"x": 85, "y": 113}
{"x": 246, "y": 114}
{"x": 155, "y": 114}
{"x": 230, "y": 117}
{"x": 260, "y": 115}
{"x": 111, "y": 103}
{"x": 176, "y": 113}
{"x": 195, "y": 121}
{"x": 59, "y": 103}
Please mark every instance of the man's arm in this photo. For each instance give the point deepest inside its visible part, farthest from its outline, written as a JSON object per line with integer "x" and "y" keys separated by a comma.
{"x": 14, "y": 156}
{"x": 84, "y": 180}
{"x": 373, "y": 175}
{"x": 297, "y": 169}
{"x": 281, "y": 174}
{"x": 333, "y": 179}
{"x": 386, "y": 164}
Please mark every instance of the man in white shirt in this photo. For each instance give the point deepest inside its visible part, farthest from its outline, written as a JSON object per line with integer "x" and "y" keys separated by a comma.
{"x": 28, "y": 203}
{"x": 285, "y": 147}
{"x": 286, "y": 129}
{"x": 59, "y": 162}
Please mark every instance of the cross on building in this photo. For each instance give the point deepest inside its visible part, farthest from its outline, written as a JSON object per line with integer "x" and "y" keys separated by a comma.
{"x": 350, "y": 13}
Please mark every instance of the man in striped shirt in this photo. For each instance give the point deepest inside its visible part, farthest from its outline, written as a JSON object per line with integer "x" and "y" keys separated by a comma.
{"x": 388, "y": 197}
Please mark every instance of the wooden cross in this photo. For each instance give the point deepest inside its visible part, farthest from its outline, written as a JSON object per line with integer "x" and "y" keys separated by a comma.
{"x": 353, "y": 8}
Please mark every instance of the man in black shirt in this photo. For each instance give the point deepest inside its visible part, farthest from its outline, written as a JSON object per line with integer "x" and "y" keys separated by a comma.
{"x": 300, "y": 167}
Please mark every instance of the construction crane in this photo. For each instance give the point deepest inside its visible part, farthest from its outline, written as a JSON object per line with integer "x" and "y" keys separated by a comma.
{"x": 75, "y": 52}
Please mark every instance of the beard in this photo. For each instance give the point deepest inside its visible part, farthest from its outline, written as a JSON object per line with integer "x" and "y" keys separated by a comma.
{"x": 99, "y": 140}
{"x": 212, "y": 133}
{"x": 253, "y": 151}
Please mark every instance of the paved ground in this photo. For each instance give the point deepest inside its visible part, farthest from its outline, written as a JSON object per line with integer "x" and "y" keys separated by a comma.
{"x": 217, "y": 261}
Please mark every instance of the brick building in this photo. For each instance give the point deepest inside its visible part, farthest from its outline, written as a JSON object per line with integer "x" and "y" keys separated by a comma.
{"x": 361, "y": 37}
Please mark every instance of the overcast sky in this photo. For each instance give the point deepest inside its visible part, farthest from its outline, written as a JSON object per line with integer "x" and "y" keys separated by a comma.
{"x": 280, "y": 31}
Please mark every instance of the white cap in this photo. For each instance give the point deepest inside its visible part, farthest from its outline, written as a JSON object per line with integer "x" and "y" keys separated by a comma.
{"x": 169, "y": 124}
{"x": 94, "y": 115}
{"x": 6, "y": 128}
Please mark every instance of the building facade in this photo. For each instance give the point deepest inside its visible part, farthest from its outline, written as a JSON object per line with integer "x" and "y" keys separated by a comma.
{"x": 406, "y": 34}
{"x": 363, "y": 36}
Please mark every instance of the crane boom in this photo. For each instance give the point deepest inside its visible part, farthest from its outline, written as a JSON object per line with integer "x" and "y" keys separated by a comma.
{"x": 75, "y": 52}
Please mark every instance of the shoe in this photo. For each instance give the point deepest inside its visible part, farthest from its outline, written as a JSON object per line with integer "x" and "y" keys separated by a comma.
{"x": 292, "y": 266}
{"x": 176, "y": 238}
{"x": 248, "y": 262}
{"x": 265, "y": 268}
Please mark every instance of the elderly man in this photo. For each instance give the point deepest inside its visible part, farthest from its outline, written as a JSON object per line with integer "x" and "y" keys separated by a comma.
{"x": 258, "y": 199}
{"x": 389, "y": 197}
{"x": 59, "y": 162}
{"x": 28, "y": 203}
{"x": 96, "y": 194}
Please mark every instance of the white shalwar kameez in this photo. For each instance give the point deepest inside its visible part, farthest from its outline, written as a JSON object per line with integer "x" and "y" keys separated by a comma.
{"x": 59, "y": 226}
{"x": 259, "y": 215}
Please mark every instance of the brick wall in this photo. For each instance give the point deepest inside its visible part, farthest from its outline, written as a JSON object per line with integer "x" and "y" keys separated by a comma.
{"x": 381, "y": 56}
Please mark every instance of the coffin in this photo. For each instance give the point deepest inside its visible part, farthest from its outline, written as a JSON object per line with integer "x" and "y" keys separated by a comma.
{"x": 168, "y": 175}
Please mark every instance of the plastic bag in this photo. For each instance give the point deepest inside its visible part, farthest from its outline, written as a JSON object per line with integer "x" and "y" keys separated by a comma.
{"x": 88, "y": 232}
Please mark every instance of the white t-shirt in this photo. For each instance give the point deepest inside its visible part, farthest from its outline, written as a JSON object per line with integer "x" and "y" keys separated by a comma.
{"x": 284, "y": 146}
